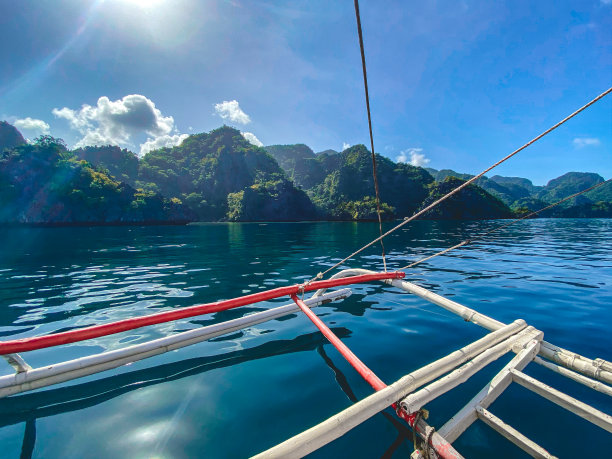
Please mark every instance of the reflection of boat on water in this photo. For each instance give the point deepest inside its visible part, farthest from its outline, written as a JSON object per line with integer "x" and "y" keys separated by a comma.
{"x": 30, "y": 407}
{"x": 64, "y": 399}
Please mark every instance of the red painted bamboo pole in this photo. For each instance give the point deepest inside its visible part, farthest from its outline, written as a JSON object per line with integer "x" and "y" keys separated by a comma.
{"x": 96, "y": 331}
{"x": 442, "y": 447}
{"x": 357, "y": 364}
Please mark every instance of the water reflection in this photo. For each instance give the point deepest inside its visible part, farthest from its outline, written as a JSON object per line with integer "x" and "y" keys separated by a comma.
{"x": 549, "y": 272}
{"x": 29, "y": 439}
{"x": 403, "y": 432}
{"x": 52, "y": 402}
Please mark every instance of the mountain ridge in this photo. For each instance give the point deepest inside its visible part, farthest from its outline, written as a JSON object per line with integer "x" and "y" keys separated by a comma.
{"x": 221, "y": 176}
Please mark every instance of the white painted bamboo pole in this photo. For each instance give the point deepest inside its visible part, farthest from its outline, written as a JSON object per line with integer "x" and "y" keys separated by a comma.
{"x": 467, "y": 314}
{"x": 456, "y": 425}
{"x": 577, "y": 407}
{"x": 520, "y": 440}
{"x": 418, "y": 399}
{"x": 599, "y": 369}
{"x": 596, "y": 385}
{"x": 592, "y": 368}
{"x": 327, "y": 431}
{"x": 72, "y": 369}
{"x": 17, "y": 362}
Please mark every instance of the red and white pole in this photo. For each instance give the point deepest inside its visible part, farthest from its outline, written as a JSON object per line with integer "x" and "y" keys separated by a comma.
{"x": 442, "y": 447}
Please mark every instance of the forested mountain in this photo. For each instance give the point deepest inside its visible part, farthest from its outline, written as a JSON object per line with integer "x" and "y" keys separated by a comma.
{"x": 221, "y": 176}
{"x": 120, "y": 163}
{"x": 299, "y": 163}
{"x": 568, "y": 184}
{"x": 341, "y": 184}
{"x": 523, "y": 196}
{"x": 471, "y": 203}
{"x": 9, "y": 136}
{"x": 44, "y": 183}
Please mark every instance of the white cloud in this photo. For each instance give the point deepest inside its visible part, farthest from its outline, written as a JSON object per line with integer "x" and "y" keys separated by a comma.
{"x": 251, "y": 138}
{"x": 413, "y": 156}
{"x": 116, "y": 122}
{"x": 345, "y": 146}
{"x": 580, "y": 142}
{"x": 230, "y": 110}
{"x": 161, "y": 142}
{"x": 33, "y": 125}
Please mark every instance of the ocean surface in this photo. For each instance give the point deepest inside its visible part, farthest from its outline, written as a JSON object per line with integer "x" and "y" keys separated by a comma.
{"x": 242, "y": 393}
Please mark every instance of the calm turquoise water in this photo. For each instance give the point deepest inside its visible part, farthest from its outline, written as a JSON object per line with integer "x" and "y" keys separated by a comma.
{"x": 240, "y": 394}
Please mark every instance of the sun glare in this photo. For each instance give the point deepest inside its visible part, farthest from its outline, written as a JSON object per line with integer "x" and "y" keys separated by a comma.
{"x": 144, "y": 3}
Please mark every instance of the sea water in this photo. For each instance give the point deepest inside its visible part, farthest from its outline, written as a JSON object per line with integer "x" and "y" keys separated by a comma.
{"x": 242, "y": 393}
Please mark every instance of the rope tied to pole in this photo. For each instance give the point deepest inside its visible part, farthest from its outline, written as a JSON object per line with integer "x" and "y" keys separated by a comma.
{"x": 429, "y": 431}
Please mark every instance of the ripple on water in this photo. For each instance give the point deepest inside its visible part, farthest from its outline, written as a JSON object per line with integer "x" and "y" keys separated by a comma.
{"x": 557, "y": 275}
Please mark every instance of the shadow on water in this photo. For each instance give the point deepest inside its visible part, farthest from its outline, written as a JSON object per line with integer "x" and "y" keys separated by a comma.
{"x": 51, "y": 402}
{"x": 29, "y": 439}
{"x": 403, "y": 432}
{"x": 30, "y": 407}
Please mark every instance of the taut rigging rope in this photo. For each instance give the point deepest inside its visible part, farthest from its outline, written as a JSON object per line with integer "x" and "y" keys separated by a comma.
{"x": 463, "y": 185}
{"x": 367, "y": 97}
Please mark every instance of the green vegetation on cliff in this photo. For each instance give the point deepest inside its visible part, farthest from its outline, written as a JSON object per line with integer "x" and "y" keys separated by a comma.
{"x": 120, "y": 163}
{"x": 44, "y": 183}
{"x": 221, "y": 176}
{"x": 523, "y": 197}
{"x": 471, "y": 203}
{"x": 341, "y": 184}
{"x": 207, "y": 168}
{"x": 10, "y": 137}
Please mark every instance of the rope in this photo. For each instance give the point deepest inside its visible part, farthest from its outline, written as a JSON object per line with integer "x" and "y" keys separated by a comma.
{"x": 367, "y": 97}
{"x": 417, "y": 417}
{"x": 463, "y": 185}
{"x": 532, "y": 214}
{"x": 430, "y": 431}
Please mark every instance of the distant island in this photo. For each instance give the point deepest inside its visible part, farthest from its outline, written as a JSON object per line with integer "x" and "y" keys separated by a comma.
{"x": 220, "y": 176}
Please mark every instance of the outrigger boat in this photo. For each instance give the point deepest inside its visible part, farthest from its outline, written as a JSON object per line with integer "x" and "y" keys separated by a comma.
{"x": 408, "y": 396}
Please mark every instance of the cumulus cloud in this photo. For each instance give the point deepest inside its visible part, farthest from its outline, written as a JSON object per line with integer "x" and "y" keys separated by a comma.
{"x": 116, "y": 122}
{"x": 345, "y": 146}
{"x": 581, "y": 142}
{"x": 161, "y": 142}
{"x": 413, "y": 156}
{"x": 33, "y": 125}
{"x": 251, "y": 138}
{"x": 230, "y": 110}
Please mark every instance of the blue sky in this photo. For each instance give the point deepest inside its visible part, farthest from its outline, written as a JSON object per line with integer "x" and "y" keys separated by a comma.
{"x": 456, "y": 83}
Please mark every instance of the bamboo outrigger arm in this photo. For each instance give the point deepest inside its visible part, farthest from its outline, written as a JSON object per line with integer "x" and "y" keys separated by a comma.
{"x": 407, "y": 395}
{"x": 526, "y": 341}
{"x": 597, "y": 369}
